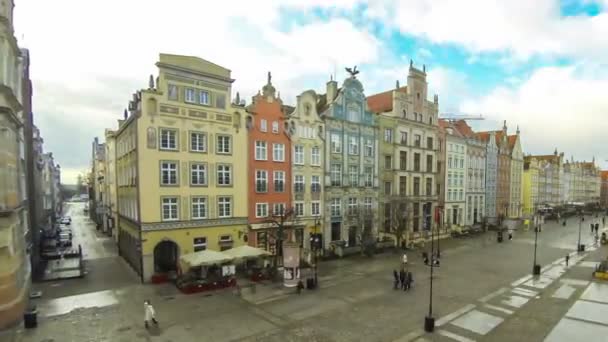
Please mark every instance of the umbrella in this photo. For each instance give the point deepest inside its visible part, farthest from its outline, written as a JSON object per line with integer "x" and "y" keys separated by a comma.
{"x": 205, "y": 258}
{"x": 246, "y": 252}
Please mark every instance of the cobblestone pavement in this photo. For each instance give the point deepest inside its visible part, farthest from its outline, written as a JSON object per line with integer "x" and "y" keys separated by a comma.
{"x": 481, "y": 292}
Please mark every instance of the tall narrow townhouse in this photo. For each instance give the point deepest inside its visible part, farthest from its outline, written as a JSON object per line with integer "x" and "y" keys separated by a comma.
{"x": 604, "y": 189}
{"x": 408, "y": 155}
{"x": 98, "y": 159}
{"x": 182, "y": 186}
{"x": 530, "y": 186}
{"x": 515, "y": 179}
{"x": 503, "y": 197}
{"x": 351, "y": 165}
{"x": 269, "y": 172}
{"x": 456, "y": 180}
{"x": 308, "y": 143}
{"x": 110, "y": 199}
{"x": 15, "y": 267}
{"x": 549, "y": 167}
{"x": 475, "y": 174}
{"x": 491, "y": 181}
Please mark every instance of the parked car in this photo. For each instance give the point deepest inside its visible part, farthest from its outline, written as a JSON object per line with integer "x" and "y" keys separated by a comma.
{"x": 66, "y": 220}
{"x": 64, "y": 243}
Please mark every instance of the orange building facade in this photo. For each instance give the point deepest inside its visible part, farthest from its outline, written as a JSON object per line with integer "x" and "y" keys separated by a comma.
{"x": 269, "y": 169}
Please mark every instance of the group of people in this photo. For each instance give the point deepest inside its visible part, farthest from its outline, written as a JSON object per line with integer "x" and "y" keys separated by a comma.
{"x": 403, "y": 279}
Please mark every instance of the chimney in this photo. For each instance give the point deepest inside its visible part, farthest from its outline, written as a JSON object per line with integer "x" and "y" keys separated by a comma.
{"x": 332, "y": 90}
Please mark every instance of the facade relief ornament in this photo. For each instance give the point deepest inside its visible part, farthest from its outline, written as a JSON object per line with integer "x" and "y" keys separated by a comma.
{"x": 151, "y": 138}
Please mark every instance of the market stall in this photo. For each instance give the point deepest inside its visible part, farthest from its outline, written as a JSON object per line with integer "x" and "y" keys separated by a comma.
{"x": 205, "y": 270}
{"x": 252, "y": 261}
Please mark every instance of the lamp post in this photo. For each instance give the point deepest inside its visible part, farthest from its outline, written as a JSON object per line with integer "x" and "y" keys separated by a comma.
{"x": 429, "y": 320}
{"x": 315, "y": 240}
{"x": 535, "y": 266}
{"x": 580, "y": 224}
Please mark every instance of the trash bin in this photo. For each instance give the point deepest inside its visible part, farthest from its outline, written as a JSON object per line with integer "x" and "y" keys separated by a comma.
{"x": 30, "y": 318}
{"x": 310, "y": 283}
{"x": 581, "y": 247}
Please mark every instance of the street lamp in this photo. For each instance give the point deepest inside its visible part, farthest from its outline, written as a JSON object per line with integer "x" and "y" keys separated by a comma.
{"x": 535, "y": 266}
{"x": 315, "y": 241}
{"x": 579, "y": 248}
{"x": 429, "y": 320}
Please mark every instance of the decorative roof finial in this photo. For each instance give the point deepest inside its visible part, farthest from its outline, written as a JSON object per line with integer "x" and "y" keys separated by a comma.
{"x": 151, "y": 82}
{"x": 423, "y": 67}
{"x": 411, "y": 63}
{"x": 125, "y": 114}
{"x": 517, "y": 130}
{"x": 269, "y": 77}
{"x": 504, "y": 125}
{"x": 238, "y": 98}
{"x": 397, "y": 84}
{"x": 352, "y": 71}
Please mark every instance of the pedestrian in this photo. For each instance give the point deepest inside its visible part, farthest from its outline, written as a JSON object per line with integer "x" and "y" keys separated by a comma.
{"x": 405, "y": 282}
{"x": 396, "y": 276}
{"x": 300, "y": 286}
{"x": 410, "y": 280}
{"x": 510, "y": 235}
{"x": 425, "y": 258}
{"x": 597, "y": 228}
{"x": 591, "y": 224}
{"x": 149, "y": 314}
{"x": 404, "y": 259}
{"x": 567, "y": 259}
{"x": 402, "y": 278}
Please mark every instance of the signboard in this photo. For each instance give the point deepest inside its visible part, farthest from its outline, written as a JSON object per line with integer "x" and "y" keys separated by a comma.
{"x": 291, "y": 264}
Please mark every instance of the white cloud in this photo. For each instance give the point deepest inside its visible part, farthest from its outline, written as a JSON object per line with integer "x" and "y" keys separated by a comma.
{"x": 563, "y": 107}
{"x": 88, "y": 57}
{"x": 452, "y": 86}
{"x": 520, "y": 27}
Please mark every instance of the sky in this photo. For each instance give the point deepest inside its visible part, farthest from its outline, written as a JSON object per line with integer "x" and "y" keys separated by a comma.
{"x": 540, "y": 65}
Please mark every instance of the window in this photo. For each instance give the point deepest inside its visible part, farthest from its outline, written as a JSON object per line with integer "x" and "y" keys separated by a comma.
{"x": 275, "y": 127}
{"x": 387, "y": 188}
{"x": 299, "y": 208}
{"x": 168, "y": 173}
{"x": 429, "y": 163}
{"x": 198, "y": 142}
{"x": 368, "y": 176}
{"x": 261, "y": 181}
{"x": 172, "y": 92}
{"x": 402, "y": 160}
{"x": 352, "y": 206}
{"x": 353, "y": 145}
{"x": 278, "y": 209}
{"x": 220, "y": 101}
{"x": 402, "y": 185}
{"x": 461, "y": 193}
{"x": 449, "y": 194}
{"x": 353, "y": 175}
{"x": 450, "y": 162}
{"x": 168, "y": 139}
{"x": 169, "y": 209}
{"x": 278, "y": 152}
{"x": 298, "y": 154}
{"x": 190, "y": 95}
{"x": 388, "y": 162}
{"x": 224, "y": 144}
{"x": 403, "y": 140}
{"x": 315, "y": 208}
{"x": 224, "y": 206}
{"x": 315, "y": 156}
{"x": 416, "y": 161}
{"x": 367, "y": 204}
{"x": 315, "y": 184}
{"x": 336, "y": 144}
{"x": 261, "y": 209}
{"x": 416, "y": 186}
{"x": 388, "y": 135}
{"x": 417, "y": 140}
{"x": 263, "y": 125}
{"x": 203, "y": 97}
{"x": 200, "y": 244}
{"x": 298, "y": 183}
{"x": 224, "y": 175}
{"x": 369, "y": 148}
{"x": 198, "y": 174}
{"x": 260, "y": 150}
{"x": 429, "y": 186}
{"x": 429, "y": 143}
{"x": 279, "y": 181}
{"x": 462, "y": 163}
{"x": 336, "y": 174}
{"x": 335, "y": 207}
{"x": 199, "y": 208}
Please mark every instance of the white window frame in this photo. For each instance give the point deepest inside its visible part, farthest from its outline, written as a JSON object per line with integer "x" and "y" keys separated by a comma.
{"x": 171, "y": 139}
{"x": 223, "y": 144}
{"x": 196, "y": 168}
{"x": 223, "y": 201}
{"x": 369, "y": 177}
{"x": 201, "y": 98}
{"x": 298, "y": 154}
{"x": 298, "y": 208}
{"x": 198, "y": 245}
{"x": 353, "y": 145}
{"x": 261, "y": 150}
{"x": 172, "y": 168}
{"x": 172, "y": 205}
{"x": 336, "y": 143}
{"x": 299, "y": 183}
{"x": 315, "y": 208}
{"x": 315, "y": 156}
{"x": 190, "y": 95}
{"x": 353, "y": 175}
{"x": 279, "y": 176}
{"x": 275, "y": 127}
{"x": 335, "y": 207}
{"x": 315, "y": 180}
{"x": 352, "y": 205}
{"x": 388, "y": 135}
{"x": 261, "y": 210}
{"x": 368, "y": 203}
{"x": 199, "y": 203}
{"x": 263, "y": 125}
{"x": 278, "y": 209}
{"x": 221, "y": 171}
{"x": 335, "y": 174}
{"x": 261, "y": 176}
{"x": 278, "y": 152}
{"x": 369, "y": 148}
{"x": 198, "y": 142}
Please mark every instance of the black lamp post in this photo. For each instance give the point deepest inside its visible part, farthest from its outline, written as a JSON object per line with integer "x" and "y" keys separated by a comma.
{"x": 535, "y": 266}
{"x": 579, "y": 248}
{"x": 315, "y": 241}
{"x": 429, "y": 320}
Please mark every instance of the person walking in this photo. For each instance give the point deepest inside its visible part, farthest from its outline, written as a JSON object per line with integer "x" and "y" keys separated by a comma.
{"x": 591, "y": 224}
{"x": 404, "y": 259}
{"x": 567, "y": 259}
{"x": 149, "y": 314}
{"x": 396, "y": 276}
{"x": 597, "y": 228}
{"x": 402, "y": 278}
{"x": 410, "y": 280}
{"x": 406, "y": 285}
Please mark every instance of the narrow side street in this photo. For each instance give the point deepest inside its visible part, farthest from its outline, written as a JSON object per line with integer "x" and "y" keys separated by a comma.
{"x": 355, "y": 300}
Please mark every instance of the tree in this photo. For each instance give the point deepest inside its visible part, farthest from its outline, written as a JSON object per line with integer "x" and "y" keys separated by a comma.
{"x": 399, "y": 214}
{"x": 285, "y": 219}
{"x": 363, "y": 218}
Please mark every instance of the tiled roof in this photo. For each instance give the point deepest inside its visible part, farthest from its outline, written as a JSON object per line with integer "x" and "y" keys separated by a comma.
{"x": 464, "y": 128}
{"x": 604, "y": 175}
{"x": 383, "y": 102}
{"x": 485, "y": 136}
{"x": 512, "y": 139}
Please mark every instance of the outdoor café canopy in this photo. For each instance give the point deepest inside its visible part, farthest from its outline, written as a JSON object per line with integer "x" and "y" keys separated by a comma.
{"x": 246, "y": 252}
{"x": 207, "y": 257}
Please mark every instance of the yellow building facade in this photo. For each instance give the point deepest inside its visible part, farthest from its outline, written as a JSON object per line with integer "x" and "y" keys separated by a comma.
{"x": 181, "y": 165}
{"x": 530, "y": 186}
